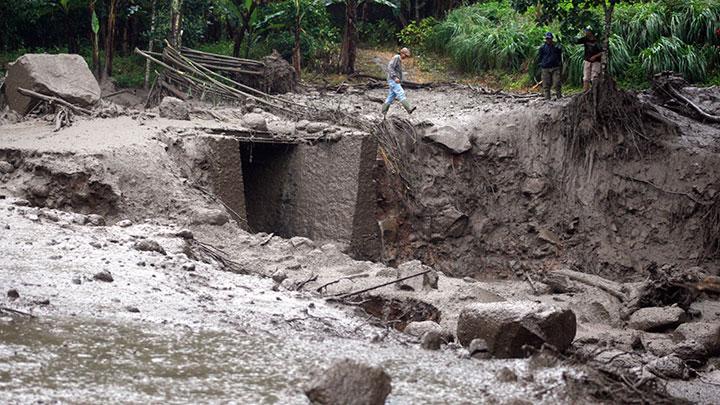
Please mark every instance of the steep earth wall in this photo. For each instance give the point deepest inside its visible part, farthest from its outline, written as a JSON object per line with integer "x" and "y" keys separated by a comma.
{"x": 515, "y": 200}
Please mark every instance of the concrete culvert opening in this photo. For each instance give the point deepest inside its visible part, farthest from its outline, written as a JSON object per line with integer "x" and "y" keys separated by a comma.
{"x": 266, "y": 168}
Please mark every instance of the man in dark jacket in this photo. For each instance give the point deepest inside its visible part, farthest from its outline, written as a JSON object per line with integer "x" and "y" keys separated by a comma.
{"x": 550, "y": 61}
{"x": 593, "y": 54}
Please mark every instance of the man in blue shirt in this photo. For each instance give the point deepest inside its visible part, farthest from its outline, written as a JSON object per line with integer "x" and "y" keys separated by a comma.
{"x": 550, "y": 60}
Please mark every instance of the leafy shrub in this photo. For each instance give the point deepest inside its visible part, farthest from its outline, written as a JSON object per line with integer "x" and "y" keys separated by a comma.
{"x": 671, "y": 53}
{"x": 416, "y": 33}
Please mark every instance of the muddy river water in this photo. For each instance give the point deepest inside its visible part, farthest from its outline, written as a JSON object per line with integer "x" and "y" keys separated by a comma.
{"x": 90, "y": 361}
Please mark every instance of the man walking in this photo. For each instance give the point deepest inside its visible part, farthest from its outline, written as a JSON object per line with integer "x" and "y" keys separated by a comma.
{"x": 550, "y": 61}
{"x": 394, "y": 77}
{"x": 593, "y": 53}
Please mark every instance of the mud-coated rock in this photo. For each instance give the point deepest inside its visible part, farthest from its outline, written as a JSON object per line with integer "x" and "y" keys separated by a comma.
{"x": 124, "y": 223}
{"x": 655, "y": 319}
{"x": 432, "y": 340}
{"x": 455, "y": 141}
{"x": 427, "y": 281}
{"x": 350, "y": 383}
{"x": 705, "y": 334}
{"x": 62, "y": 75}
{"x": 96, "y": 220}
{"x": 419, "y": 328}
{"x": 510, "y": 325}
{"x": 315, "y": 127}
{"x": 533, "y": 186}
{"x": 255, "y": 121}
{"x": 13, "y": 294}
{"x": 104, "y": 275}
{"x": 669, "y": 367}
{"x": 478, "y": 349}
{"x": 204, "y": 216}
{"x": 6, "y": 167}
{"x": 174, "y": 108}
{"x": 148, "y": 245}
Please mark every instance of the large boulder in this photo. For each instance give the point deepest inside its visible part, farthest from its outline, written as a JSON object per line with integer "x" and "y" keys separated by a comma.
{"x": 510, "y": 325}
{"x": 174, "y": 108}
{"x": 455, "y": 141}
{"x": 351, "y": 383}
{"x": 704, "y": 334}
{"x": 65, "y": 76}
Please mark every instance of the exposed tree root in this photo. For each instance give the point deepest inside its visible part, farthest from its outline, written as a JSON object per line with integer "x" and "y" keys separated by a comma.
{"x": 610, "y": 121}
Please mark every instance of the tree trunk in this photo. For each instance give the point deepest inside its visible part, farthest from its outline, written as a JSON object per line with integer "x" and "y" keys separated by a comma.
{"x": 296, "y": 47}
{"x": 349, "y": 44}
{"x": 175, "y": 23}
{"x": 151, "y": 42}
{"x": 110, "y": 38}
{"x": 95, "y": 42}
{"x": 237, "y": 42}
{"x": 606, "y": 36}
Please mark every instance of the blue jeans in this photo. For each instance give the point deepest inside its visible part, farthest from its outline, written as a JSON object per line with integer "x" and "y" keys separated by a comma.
{"x": 396, "y": 91}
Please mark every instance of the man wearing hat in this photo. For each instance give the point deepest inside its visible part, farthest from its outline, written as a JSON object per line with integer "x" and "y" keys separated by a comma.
{"x": 394, "y": 77}
{"x": 550, "y": 61}
{"x": 592, "y": 65}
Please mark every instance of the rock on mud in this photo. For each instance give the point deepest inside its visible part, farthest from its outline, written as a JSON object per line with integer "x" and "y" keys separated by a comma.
{"x": 351, "y": 383}
{"x": 204, "y": 216}
{"x": 655, "y": 319}
{"x": 103, "y": 276}
{"x": 508, "y": 326}
{"x": 705, "y": 334}
{"x": 255, "y": 121}
{"x": 13, "y": 294}
{"x": 424, "y": 282}
{"x": 6, "y": 167}
{"x": 432, "y": 340}
{"x": 449, "y": 137}
{"x": 174, "y": 108}
{"x": 63, "y": 75}
{"x": 148, "y": 245}
{"x": 420, "y": 328}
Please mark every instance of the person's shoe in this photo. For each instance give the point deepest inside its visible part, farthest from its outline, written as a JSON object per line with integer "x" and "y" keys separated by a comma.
{"x": 408, "y": 107}
{"x": 385, "y": 109}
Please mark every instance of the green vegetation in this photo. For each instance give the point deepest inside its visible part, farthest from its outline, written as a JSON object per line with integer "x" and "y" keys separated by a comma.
{"x": 493, "y": 40}
{"x": 647, "y": 38}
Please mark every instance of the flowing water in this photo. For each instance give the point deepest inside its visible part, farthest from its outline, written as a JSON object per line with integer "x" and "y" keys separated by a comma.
{"x": 90, "y": 361}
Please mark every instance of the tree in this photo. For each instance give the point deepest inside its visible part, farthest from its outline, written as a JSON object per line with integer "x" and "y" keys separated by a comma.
{"x": 247, "y": 17}
{"x": 110, "y": 36}
{"x": 95, "y": 30}
{"x": 176, "y": 23}
{"x": 151, "y": 42}
{"x": 348, "y": 52}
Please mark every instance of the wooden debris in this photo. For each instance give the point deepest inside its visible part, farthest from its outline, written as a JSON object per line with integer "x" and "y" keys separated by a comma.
{"x": 53, "y": 100}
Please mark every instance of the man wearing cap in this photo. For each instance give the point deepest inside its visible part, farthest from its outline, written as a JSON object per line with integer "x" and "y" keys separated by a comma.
{"x": 593, "y": 53}
{"x": 550, "y": 61}
{"x": 394, "y": 77}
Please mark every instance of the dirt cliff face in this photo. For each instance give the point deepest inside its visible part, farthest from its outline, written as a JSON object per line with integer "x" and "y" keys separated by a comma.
{"x": 517, "y": 200}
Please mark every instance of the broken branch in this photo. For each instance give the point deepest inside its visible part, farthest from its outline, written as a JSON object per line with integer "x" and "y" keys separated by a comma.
{"x": 52, "y": 100}
{"x": 350, "y": 294}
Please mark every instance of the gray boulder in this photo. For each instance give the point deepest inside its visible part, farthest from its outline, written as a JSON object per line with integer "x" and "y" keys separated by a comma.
{"x": 255, "y": 121}
{"x": 204, "y": 216}
{"x": 63, "y": 75}
{"x": 510, "y": 325}
{"x": 174, "y": 108}
{"x": 6, "y": 167}
{"x": 351, "y": 383}
{"x": 420, "y": 328}
{"x": 654, "y": 319}
{"x": 432, "y": 340}
{"x": 149, "y": 245}
{"x": 425, "y": 282}
{"x": 704, "y": 334}
{"x": 455, "y": 141}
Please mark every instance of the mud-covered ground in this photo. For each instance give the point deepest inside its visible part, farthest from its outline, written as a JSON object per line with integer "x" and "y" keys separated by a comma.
{"x": 178, "y": 326}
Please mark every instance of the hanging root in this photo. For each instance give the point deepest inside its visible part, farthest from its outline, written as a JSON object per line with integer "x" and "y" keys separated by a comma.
{"x": 608, "y": 120}
{"x": 711, "y": 229}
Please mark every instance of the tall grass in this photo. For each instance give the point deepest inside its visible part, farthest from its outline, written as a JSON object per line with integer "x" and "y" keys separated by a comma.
{"x": 647, "y": 38}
